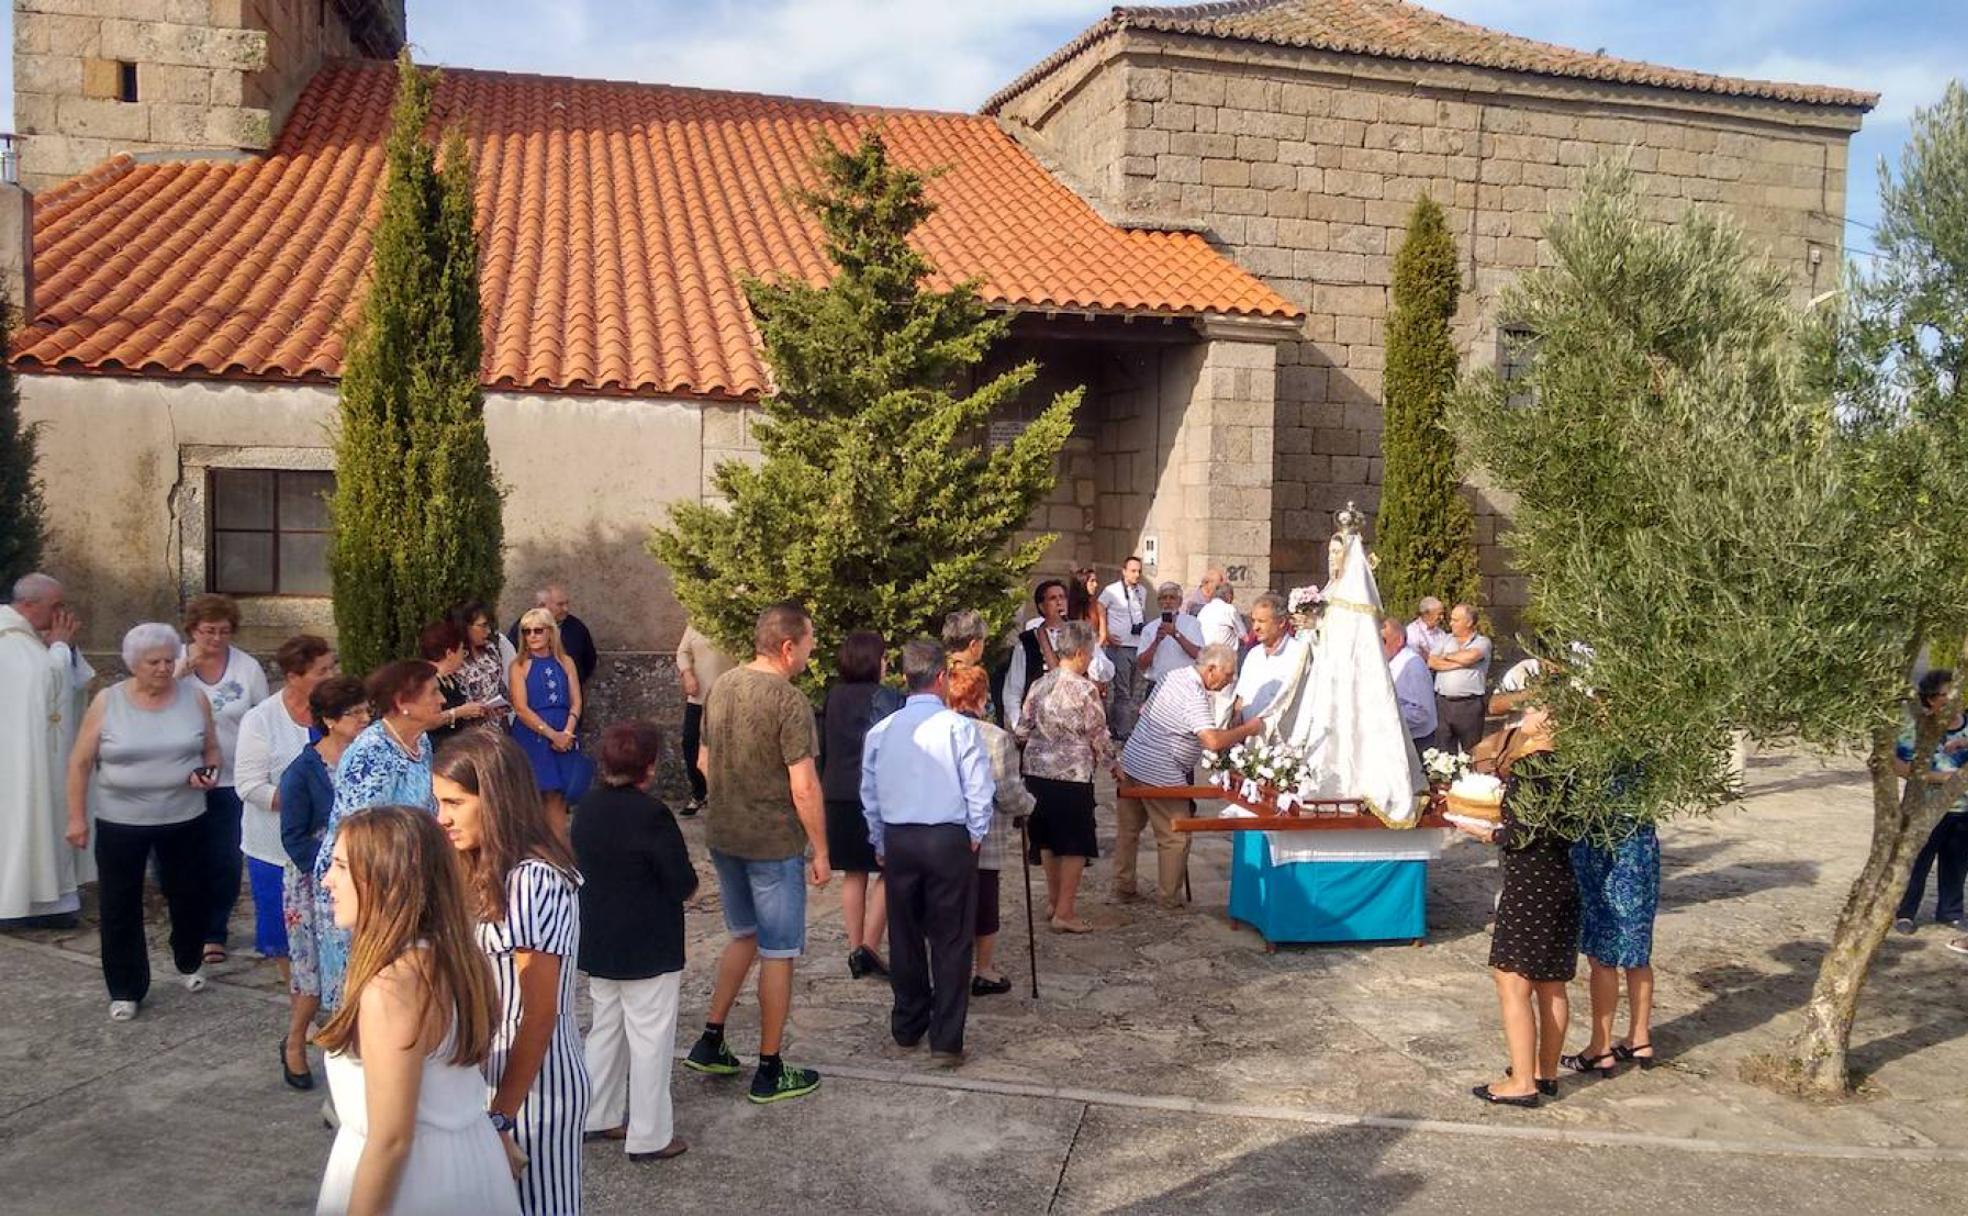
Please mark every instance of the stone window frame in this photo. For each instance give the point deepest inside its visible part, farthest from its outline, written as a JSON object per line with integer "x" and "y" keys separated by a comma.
{"x": 191, "y": 512}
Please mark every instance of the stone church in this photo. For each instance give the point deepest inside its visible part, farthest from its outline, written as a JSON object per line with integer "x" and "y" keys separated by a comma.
{"x": 1190, "y": 211}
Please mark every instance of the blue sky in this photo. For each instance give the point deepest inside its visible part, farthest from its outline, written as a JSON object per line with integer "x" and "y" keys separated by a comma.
{"x": 951, "y": 54}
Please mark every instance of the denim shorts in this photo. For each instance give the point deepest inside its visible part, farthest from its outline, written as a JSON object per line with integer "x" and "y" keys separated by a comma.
{"x": 766, "y": 900}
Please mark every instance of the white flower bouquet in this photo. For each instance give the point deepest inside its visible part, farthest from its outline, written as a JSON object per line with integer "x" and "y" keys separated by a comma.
{"x": 1258, "y": 770}
{"x": 1444, "y": 768}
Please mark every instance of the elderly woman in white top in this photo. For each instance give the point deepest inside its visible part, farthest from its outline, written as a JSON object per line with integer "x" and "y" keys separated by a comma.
{"x": 234, "y": 682}
{"x": 270, "y": 735}
{"x": 145, "y": 756}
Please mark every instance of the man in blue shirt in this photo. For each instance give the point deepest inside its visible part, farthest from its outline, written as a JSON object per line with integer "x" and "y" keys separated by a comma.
{"x": 926, "y": 789}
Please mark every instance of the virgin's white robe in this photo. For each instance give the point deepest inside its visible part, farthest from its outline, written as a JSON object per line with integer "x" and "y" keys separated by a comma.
{"x": 1341, "y": 714}
{"x": 41, "y": 690}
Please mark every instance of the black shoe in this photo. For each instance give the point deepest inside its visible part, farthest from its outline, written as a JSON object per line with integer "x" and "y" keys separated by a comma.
{"x": 1528, "y": 1101}
{"x": 691, "y": 808}
{"x": 1548, "y": 1086}
{"x": 788, "y": 1082}
{"x": 863, "y": 961}
{"x": 1603, "y": 1065}
{"x": 712, "y": 1056}
{"x": 979, "y": 986}
{"x": 1631, "y": 1055}
{"x": 298, "y": 1080}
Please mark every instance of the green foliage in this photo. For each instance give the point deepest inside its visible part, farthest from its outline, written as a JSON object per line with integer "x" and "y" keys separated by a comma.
{"x": 23, "y": 516}
{"x": 1685, "y": 507}
{"x": 417, "y": 509}
{"x": 876, "y": 504}
{"x": 1424, "y": 533}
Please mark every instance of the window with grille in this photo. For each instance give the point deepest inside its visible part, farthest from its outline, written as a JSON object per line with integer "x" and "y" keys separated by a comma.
{"x": 269, "y": 531}
{"x": 1516, "y": 352}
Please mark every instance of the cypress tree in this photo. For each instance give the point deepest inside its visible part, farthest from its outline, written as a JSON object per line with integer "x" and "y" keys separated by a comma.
{"x": 1424, "y": 533}
{"x": 23, "y": 516}
{"x": 876, "y": 504}
{"x": 416, "y": 505}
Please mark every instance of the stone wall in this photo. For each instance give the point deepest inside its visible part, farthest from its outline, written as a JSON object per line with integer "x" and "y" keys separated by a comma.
{"x": 211, "y": 75}
{"x": 122, "y": 463}
{"x": 1303, "y": 166}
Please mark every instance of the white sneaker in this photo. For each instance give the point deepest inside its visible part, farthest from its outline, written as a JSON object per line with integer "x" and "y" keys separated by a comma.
{"x": 195, "y": 982}
{"x": 122, "y": 1011}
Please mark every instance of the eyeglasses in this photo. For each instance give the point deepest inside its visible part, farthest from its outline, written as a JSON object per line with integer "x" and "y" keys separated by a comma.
{"x": 534, "y": 629}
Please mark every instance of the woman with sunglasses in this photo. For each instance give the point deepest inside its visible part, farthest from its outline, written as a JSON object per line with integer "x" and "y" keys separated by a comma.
{"x": 546, "y": 697}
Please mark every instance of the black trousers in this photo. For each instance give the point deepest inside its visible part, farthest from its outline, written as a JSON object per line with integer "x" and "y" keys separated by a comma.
{"x": 1459, "y": 724}
{"x": 693, "y": 738}
{"x": 931, "y": 872}
{"x": 227, "y": 865}
{"x": 123, "y": 852}
{"x": 1948, "y": 845}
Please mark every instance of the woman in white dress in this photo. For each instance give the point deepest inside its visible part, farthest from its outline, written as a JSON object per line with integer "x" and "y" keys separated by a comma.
{"x": 415, "y": 1023}
{"x": 525, "y": 892}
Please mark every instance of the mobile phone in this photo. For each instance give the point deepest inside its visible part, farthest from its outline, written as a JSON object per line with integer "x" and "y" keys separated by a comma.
{"x": 206, "y": 773}
{"x": 1168, "y": 618}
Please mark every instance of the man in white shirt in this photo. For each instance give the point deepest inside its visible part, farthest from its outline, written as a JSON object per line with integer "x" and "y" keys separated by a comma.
{"x": 1414, "y": 684}
{"x": 1170, "y": 642}
{"x": 1271, "y": 663}
{"x": 926, "y": 791}
{"x": 1425, "y": 632}
{"x": 1461, "y": 664}
{"x": 1126, "y": 603}
{"x": 1205, "y": 591}
{"x": 1221, "y": 624}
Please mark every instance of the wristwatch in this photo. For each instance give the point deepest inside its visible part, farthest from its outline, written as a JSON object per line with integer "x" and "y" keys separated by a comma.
{"x": 500, "y": 1123}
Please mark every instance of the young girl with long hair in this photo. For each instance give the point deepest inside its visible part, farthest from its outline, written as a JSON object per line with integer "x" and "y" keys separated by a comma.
{"x": 405, "y": 1047}
{"x": 523, "y": 885}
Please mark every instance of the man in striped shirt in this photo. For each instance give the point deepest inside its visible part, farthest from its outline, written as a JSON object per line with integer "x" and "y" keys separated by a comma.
{"x": 1174, "y": 728}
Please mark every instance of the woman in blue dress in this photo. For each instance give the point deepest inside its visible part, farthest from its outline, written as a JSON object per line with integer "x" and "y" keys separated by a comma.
{"x": 546, "y": 697}
{"x": 1619, "y": 892}
{"x": 389, "y": 764}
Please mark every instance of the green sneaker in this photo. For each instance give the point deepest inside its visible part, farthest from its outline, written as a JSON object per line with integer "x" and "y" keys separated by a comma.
{"x": 790, "y": 1083}
{"x": 713, "y": 1057}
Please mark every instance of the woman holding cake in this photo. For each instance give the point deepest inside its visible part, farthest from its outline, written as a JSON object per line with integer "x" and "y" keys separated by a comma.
{"x": 1534, "y": 948}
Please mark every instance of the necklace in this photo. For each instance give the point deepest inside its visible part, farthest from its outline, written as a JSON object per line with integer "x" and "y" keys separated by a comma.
{"x": 397, "y": 739}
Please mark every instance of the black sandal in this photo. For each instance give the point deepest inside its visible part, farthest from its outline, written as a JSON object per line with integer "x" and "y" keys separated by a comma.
{"x": 1527, "y": 1101}
{"x": 1631, "y": 1055}
{"x": 1603, "y": 1065}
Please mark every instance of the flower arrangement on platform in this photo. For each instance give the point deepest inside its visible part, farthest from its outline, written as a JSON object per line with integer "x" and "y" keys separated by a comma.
{"x": 1443, "y": 768}
{"x": 1258, "y": 770}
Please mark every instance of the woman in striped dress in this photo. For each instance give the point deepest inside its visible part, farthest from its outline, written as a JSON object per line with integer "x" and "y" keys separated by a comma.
{"x": 522, "y": 876}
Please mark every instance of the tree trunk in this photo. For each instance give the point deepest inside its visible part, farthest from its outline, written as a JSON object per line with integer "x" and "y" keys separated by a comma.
{"x": 1814, "y": 1062}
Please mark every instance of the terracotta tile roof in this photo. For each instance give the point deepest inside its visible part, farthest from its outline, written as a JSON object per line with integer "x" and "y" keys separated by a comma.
{"x": 615, "y": 220}
{"x": 1396, "y": 29}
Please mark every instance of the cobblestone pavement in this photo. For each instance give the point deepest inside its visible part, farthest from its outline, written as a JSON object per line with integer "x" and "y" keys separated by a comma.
{"x": 1169, "y": 1062}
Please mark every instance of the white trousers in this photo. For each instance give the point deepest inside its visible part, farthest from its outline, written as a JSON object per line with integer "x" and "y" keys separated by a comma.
{"x": 630, "y": 1049}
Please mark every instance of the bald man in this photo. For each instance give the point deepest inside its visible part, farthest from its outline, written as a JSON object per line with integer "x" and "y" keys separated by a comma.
{"x": 41, "y": 677}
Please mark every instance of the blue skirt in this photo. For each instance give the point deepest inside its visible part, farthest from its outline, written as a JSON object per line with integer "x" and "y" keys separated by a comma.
{"x": 1619, "y": 892}
{"x": 567, "y": 773}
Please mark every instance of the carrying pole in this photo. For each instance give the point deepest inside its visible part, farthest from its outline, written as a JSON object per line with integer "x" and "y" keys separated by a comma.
{"x": 1031, "y": 924}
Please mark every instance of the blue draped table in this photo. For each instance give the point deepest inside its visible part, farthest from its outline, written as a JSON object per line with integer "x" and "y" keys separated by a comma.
{"x": 1326, "y": 901}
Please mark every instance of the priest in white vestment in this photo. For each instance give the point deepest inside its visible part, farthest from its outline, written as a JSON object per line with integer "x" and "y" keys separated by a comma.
{"x": 43, "y": 679}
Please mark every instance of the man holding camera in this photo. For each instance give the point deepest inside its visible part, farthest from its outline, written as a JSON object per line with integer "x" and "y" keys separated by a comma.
{"x": 1128, "y": 619}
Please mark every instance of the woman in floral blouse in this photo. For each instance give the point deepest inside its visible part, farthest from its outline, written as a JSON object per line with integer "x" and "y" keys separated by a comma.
{"x": 1064, "y": 732}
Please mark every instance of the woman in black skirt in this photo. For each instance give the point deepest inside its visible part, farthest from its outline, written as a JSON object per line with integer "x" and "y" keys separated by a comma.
{"x": 854, "y": 703}
{"x": 1534, "y": 948}
{"x": 1063, "y": 730}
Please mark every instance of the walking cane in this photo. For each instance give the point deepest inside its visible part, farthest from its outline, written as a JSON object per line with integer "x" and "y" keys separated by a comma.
{"x": 1031, "y": 930}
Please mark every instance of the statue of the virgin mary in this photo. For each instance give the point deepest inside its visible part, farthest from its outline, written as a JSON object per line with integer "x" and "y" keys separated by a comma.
{"x": 1338, "y": 711}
